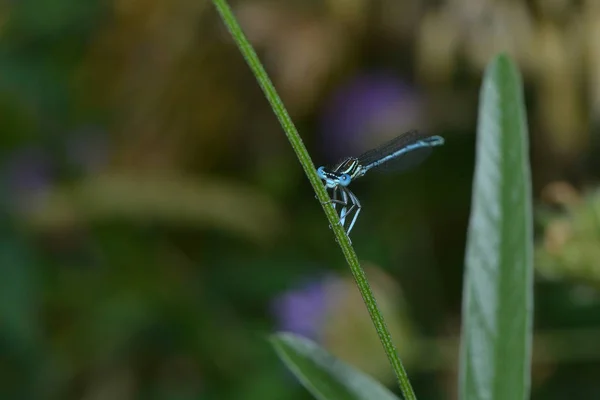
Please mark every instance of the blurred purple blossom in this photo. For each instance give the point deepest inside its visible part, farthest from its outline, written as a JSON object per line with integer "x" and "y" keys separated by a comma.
{"x": 27, "y": 173}
{"x": 303, "y": 310}
{"x": 368, "y": 110}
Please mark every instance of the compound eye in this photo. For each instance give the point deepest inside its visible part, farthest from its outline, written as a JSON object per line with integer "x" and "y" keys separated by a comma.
{"x": 321, "y": 172}
{"x": 345, "y": 179}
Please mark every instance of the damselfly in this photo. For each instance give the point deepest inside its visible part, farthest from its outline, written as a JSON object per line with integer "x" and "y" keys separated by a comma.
{"x": 400, "y": 153}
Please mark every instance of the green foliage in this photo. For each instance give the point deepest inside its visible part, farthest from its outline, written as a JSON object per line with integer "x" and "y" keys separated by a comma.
{"x": 152, "y": 217}
{"x": 325, "y": 376}
{"x": 498, "y": 289}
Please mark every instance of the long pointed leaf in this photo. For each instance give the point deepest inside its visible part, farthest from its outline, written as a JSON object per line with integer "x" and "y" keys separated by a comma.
{"x": 498, "y": 288}
{"x": 325, "y": 376}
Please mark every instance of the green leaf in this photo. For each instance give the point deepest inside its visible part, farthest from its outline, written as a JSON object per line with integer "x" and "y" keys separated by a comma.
{"x": 325, "y": 376}
{"x": 498, "y": 289}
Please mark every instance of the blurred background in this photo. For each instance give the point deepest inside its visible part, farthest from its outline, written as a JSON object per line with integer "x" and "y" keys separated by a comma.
{"x": 156, "y": 226}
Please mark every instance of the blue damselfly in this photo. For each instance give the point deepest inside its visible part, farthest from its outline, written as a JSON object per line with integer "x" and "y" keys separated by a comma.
{"x": 399, "y": 154}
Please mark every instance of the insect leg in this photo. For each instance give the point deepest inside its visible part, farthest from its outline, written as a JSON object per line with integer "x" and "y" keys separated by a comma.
{"x": 355, "y": 205}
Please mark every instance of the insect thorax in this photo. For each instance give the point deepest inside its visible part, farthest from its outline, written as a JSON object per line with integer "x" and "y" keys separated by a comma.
{"x": 351, "y": 167}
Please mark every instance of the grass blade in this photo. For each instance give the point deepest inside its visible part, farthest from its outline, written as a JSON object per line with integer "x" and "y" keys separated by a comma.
{"x": 311, "y": 173}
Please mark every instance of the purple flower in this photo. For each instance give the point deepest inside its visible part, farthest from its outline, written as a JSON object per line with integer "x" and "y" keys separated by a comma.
{"x": 303, "y": 310}
{"x": 367, "y": 111}
{"x": 28, "y": 174}
{"x": 28, "y": 170}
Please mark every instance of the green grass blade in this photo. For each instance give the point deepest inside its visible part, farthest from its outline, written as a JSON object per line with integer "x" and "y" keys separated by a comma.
{"x": 326, "y": 377}
{"x": 309, "y": 168}
{"x": 498, "y": 288}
